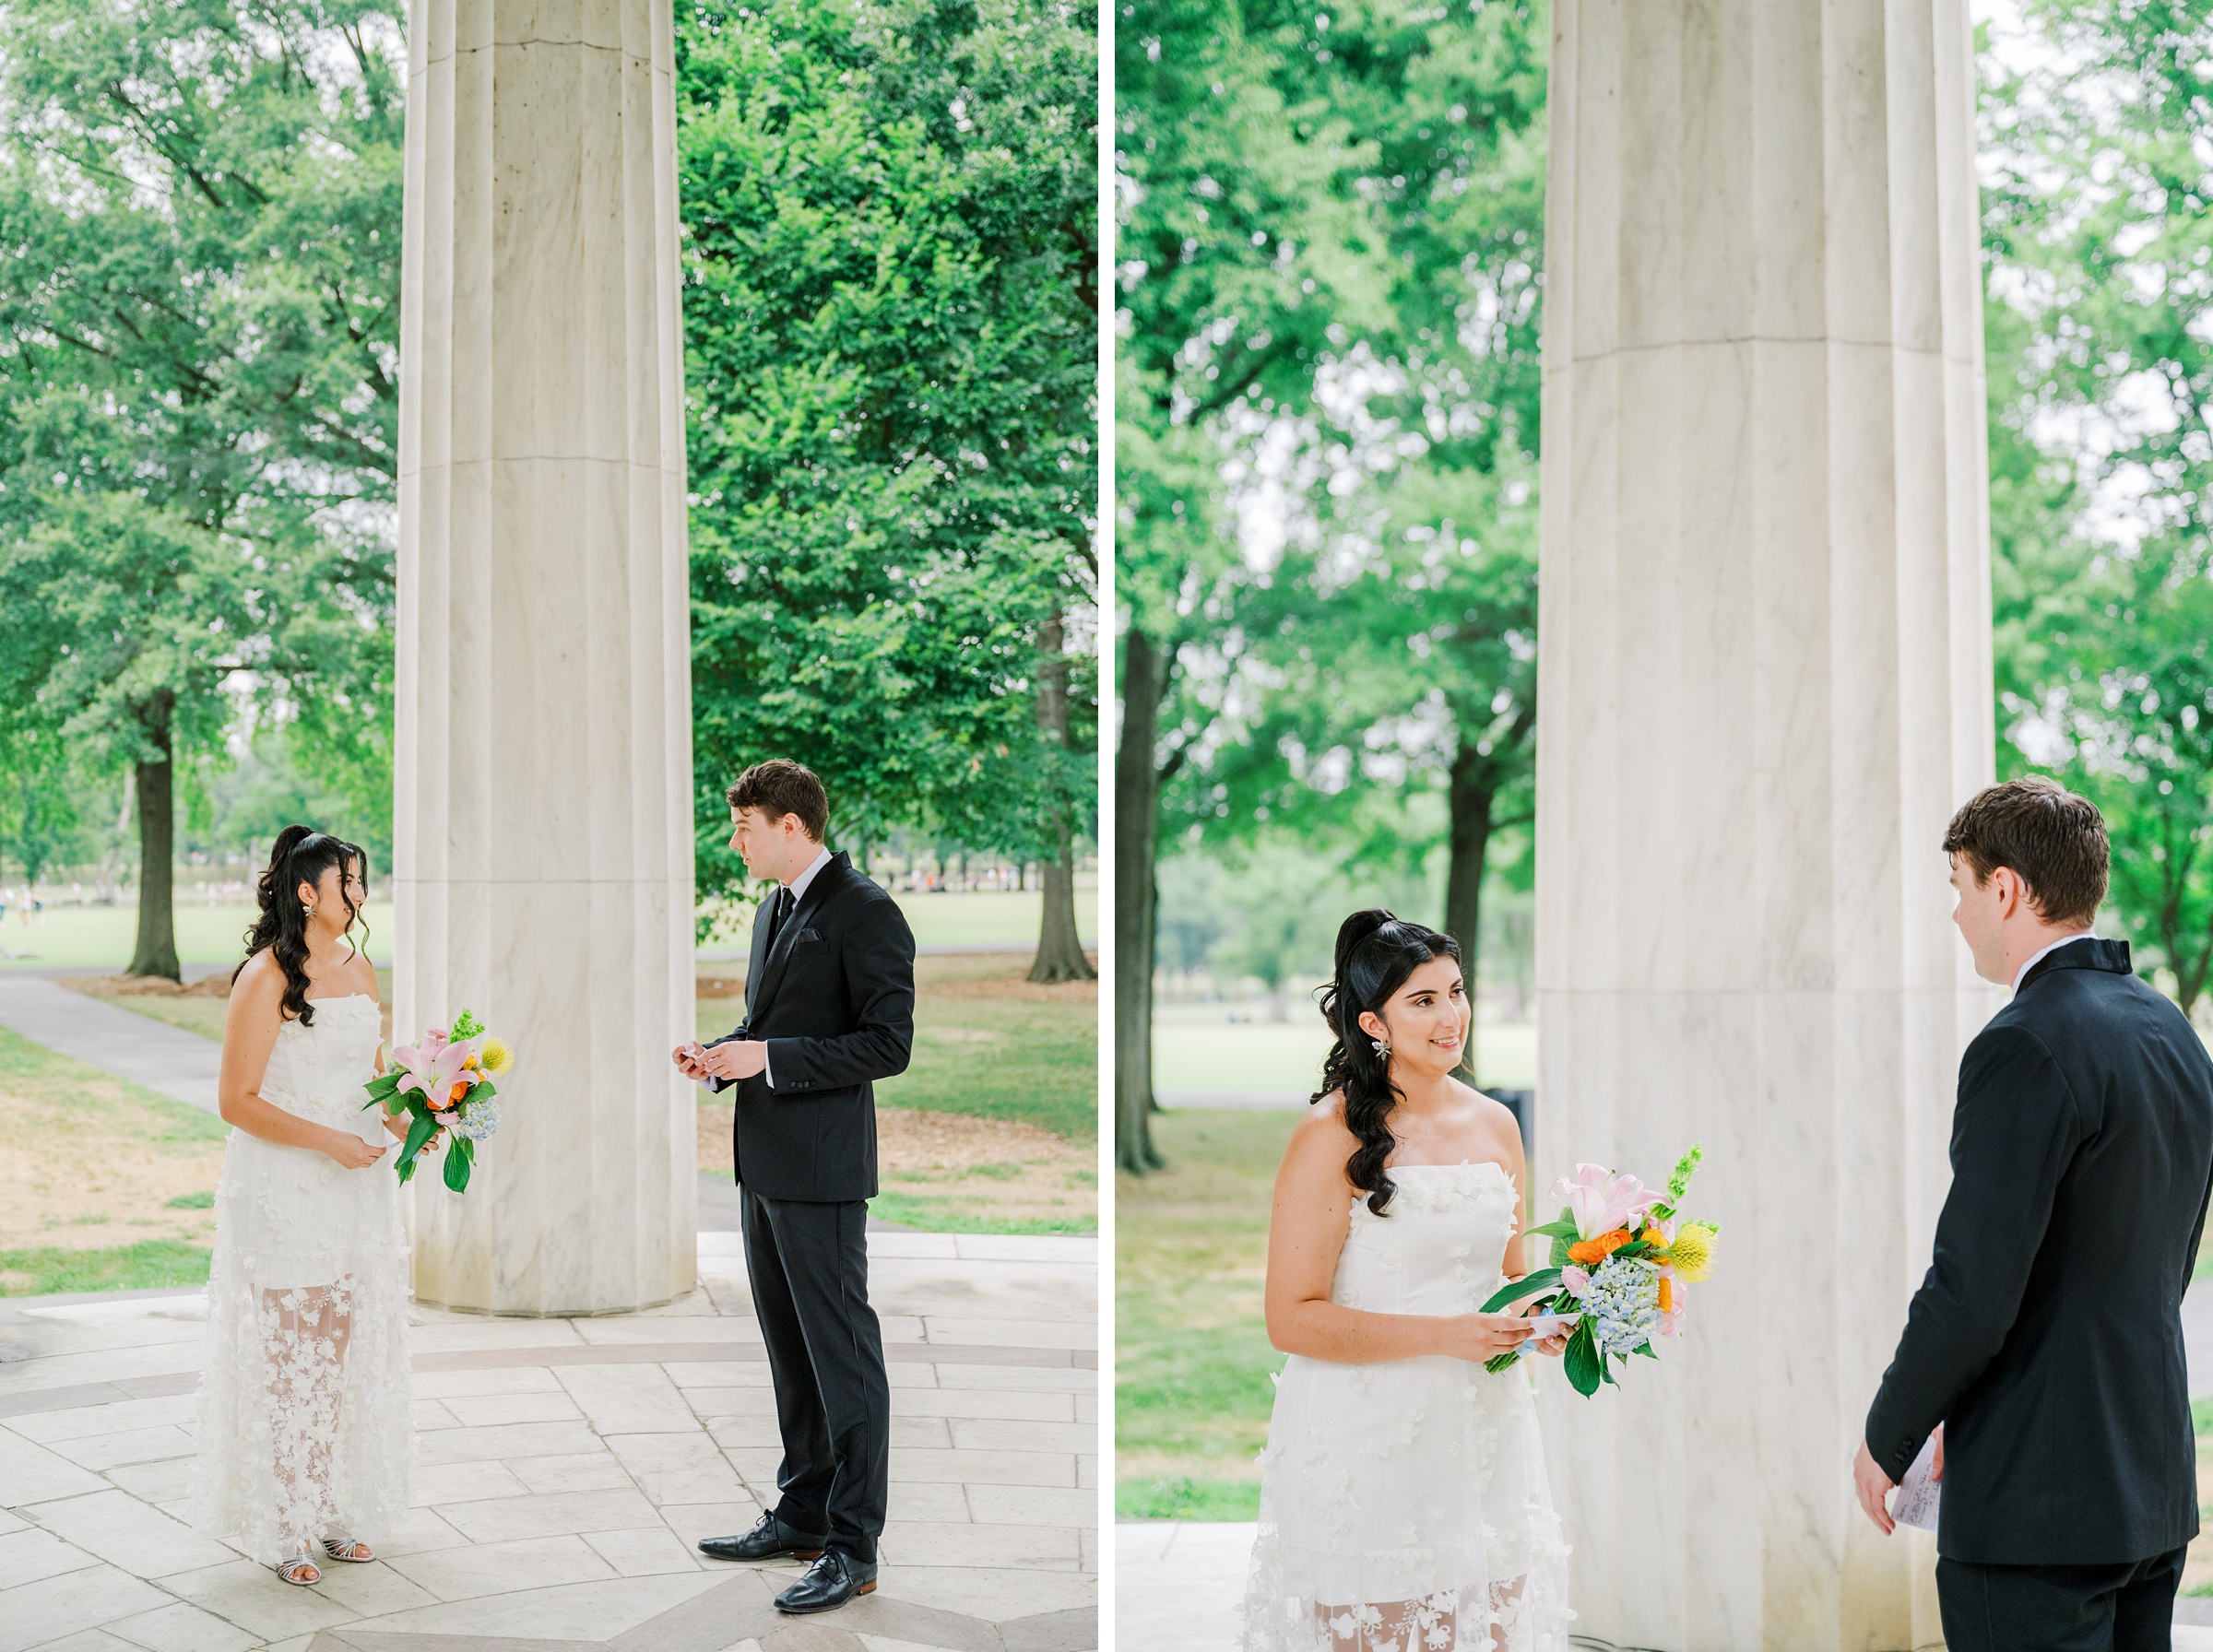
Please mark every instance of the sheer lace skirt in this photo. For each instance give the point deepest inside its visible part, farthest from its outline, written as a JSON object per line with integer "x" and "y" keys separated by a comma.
{"x": 305, "y": 1425}
{"x": 1404, "y": 1508}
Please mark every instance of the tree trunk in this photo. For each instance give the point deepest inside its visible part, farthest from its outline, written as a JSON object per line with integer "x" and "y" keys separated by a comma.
{"x": 1473, "y": 794}
{"x": 1059, "y": 947}
{"x": 1136, "y": 840}
{"x": 156, "y": 952}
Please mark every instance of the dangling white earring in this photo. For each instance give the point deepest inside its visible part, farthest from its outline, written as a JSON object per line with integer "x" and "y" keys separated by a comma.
{"x": 1383, "y": 1047}
{"x": 311, "y": 912}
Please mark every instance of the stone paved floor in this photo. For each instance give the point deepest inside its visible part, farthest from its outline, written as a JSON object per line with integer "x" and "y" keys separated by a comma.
{"x": 568, "y": 1465}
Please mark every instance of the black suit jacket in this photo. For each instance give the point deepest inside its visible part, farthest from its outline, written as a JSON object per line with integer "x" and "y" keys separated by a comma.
{"x": 2048, "y": 1338}
{"x": 834, "y": 1002}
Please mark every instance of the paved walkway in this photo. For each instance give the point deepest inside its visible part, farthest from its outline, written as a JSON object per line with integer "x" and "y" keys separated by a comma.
{"x": 566, "y": 1468}
{"x": 177, "y": 1064}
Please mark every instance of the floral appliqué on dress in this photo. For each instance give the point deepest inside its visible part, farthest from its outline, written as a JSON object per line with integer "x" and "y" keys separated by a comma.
{"x": 305, "y": 1425}
{"x": 1403, "y": 1505}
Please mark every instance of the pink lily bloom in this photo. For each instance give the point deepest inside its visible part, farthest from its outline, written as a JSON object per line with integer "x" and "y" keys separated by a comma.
{"x": 1601, "y": 1200}
{"x": 433, "y": 1072}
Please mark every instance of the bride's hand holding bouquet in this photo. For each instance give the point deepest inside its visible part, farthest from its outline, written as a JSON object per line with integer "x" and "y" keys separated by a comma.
{"x": 1621, "y": 1256}
{"x": 445, "y": 1083}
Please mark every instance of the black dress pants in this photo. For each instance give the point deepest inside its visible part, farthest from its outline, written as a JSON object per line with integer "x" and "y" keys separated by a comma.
{"x": 2121, "y": 1608}
{"x": 809, "y": 1268}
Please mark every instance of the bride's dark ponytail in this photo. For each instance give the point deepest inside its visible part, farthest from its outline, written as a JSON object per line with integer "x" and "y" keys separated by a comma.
{"x": 1376, "y": 952}
{"x": 300, "y": 855}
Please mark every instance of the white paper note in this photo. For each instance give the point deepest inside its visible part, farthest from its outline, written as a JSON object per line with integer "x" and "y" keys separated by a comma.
{"x": 1916, "y": 1502}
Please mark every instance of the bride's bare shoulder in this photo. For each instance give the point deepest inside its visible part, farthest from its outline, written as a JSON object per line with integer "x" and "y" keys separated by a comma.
{"x": 260, "y": 973}
{"x": 257, "y": 990}
{"x": 1322, "y": 1131}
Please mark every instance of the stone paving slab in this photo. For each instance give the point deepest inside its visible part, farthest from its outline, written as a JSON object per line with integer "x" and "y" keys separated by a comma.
{"x": 567, "y": 1468}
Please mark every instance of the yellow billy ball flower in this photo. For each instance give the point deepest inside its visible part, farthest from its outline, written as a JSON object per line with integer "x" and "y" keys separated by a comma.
{"x": 497, "y": 1058}
{"x": 1692, "y": 1253}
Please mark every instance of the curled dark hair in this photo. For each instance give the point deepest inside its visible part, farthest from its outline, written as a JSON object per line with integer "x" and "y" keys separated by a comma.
{"x": 300, "y": 855}
{"x": 1376, "y": 952}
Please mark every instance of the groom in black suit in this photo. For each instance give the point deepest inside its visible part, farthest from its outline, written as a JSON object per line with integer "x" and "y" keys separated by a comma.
{"x": 2045, "y": 1346}
{"x": 829, "y": 1007}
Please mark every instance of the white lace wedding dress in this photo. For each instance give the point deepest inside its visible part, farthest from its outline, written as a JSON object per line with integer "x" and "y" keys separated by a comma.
{"x": 305, "y": 1415}
{"x": 1404, "y": 1505}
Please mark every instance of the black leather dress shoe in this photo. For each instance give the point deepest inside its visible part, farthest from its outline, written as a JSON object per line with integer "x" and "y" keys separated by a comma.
{"x": 769, "y": 1537}
{"x": 829, "y": 1584}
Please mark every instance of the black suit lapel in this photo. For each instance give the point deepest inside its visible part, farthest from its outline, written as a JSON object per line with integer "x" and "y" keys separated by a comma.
{"x": 826, "y": 883}
{"x": 757, "y": 966}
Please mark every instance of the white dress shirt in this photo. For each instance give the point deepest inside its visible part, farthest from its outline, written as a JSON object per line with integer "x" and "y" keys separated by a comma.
{"x": 2065, "y": 940}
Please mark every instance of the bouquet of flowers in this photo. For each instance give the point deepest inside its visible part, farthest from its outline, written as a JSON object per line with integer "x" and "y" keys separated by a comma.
{"x": 1621, "y": 1255}
{"x": 445, "y": 1083}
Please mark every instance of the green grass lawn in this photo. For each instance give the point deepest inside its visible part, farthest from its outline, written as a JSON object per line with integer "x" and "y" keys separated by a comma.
{"x": 148, "y": 1265}
{"x": 100, "y": 937}
{"x": 1005, "y": 1058}
{"x": 1193, "y": 1368}
{"x": 1191, "y": 1054}
{"x": 926, "y": 1215}
{"x": 88, "y": 1158}
{"x": 971, "y": 917}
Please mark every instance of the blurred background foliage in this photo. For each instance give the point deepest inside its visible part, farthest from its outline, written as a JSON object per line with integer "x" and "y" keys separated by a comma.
{"x": 1328, "y": 285}
{"x": 889, "y": 306}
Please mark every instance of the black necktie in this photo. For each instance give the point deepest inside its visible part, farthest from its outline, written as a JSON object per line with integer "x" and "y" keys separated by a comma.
{"x": 777, "y": 918}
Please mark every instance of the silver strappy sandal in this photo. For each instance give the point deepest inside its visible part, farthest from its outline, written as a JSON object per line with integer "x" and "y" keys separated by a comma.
{"x": 351, "y": 1550}
{"x": 300, "y": 1570}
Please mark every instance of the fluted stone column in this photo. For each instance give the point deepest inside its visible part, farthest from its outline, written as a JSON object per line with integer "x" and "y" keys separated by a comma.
{"x": 1766, "y": 684}
{"x": 544, "y": 758}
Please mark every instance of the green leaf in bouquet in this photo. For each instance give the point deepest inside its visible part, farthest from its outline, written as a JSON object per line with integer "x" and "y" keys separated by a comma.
{"x": 458, "y": 1155}
{"x": 1585, "y": 1369}
{"x": 1646, "y": 1349}
{"x": 419, "y": 1134}
{"x": 482, "y": 1091}
{"x": 1528, "y": 1284}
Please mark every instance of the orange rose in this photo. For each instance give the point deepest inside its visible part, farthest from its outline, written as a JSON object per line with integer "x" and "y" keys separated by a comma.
{"x": 1591, "y": 1252}
{"x": 453, "y": 1096}
{"x": 1667, "y": 1297}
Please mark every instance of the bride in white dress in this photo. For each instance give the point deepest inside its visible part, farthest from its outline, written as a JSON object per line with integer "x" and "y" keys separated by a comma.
{"x": 305, "y": 1434}
{"x": 1403, "y": 1502}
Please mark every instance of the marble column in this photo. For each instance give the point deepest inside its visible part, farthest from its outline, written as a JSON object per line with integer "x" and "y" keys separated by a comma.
{"x": 543, "y": 854}
{"x": 1765, "y": 686}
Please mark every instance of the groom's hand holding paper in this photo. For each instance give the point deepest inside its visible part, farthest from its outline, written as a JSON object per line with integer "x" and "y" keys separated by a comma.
{"x": 741, "y": 1059}
{"x": 1919, "y": 1494}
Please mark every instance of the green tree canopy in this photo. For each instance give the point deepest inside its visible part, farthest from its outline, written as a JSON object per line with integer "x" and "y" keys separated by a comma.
{"x": 890, "y": 306}
{"x": 2099, "y": 248}
{"x": 198, "y": 319}
{"x": 1330, "y": 265}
